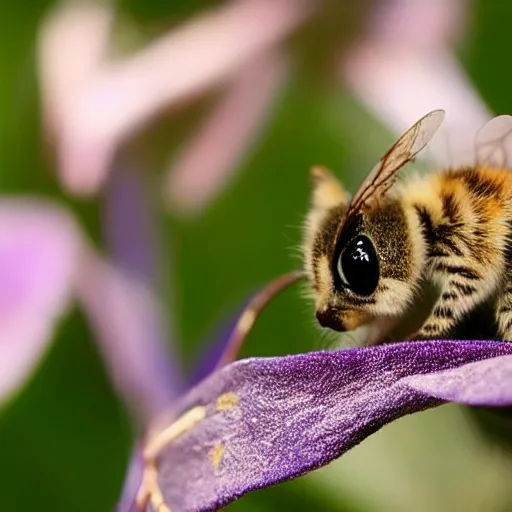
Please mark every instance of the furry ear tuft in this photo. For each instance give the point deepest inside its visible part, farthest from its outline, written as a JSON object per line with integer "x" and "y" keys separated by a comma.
{"x": 327, "y": 190}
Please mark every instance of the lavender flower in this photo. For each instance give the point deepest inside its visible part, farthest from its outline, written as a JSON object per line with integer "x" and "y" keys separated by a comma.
{"x": 46, "y": 264}
{"x": 259, "y": 421}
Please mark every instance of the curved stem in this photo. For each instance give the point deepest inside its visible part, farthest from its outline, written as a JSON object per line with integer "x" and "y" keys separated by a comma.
{"x": 251, "y": 313}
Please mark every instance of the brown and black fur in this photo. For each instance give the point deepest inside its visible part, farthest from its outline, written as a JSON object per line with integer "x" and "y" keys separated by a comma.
{"x": 452, "y": 228}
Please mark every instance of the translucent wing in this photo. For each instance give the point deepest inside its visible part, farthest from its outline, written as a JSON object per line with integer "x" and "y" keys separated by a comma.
{"x": 494, "y": 143}
{"x": 383, "y": 175}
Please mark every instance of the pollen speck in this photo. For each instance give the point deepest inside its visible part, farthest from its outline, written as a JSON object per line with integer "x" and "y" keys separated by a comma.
{"x": 227, "y": 401}
{"x": 217, "y": 454}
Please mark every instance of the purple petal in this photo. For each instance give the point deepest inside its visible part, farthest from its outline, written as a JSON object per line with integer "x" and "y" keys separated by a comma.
{"x": 127, "y": 502}
{"x": 130, "y": 236}
{"x": 39, "y": 250}
{"x": 486, "y": 382}
{"x": 124, "y": 313}
{"x": 214, "y": 351}
{"x": 261, "y": 421}
{"x": 129, "y": 223}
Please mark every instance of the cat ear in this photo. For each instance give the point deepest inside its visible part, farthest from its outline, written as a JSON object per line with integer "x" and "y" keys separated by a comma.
{"x": 327, "y": 191}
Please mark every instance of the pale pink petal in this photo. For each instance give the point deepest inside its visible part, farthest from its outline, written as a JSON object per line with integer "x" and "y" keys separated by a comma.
{"x": 72, "y": 44}
{"x": 405, "y": 67}
{"x": 128, "y": 323}
{"x": 417, "y": 25}
{"x": 210, "y": 159}
{"x": 185, "y": 62}
{"x": 39, "y": 251}
{"x": 481, "y": 383}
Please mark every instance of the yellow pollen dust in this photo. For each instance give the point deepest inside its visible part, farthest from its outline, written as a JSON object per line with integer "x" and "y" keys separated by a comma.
{"x": 217, "y": 454}
{"x": 227, "y": 401}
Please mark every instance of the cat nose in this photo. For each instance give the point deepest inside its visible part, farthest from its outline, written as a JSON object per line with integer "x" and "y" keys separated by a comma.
{"x": 328, "y": 318}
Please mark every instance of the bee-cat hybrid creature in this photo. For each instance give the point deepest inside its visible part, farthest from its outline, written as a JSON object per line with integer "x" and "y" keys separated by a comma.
{"x": 367, "y": 257}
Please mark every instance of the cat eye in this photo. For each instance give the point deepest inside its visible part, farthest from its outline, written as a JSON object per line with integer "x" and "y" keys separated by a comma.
{"x": 358, "y": 266}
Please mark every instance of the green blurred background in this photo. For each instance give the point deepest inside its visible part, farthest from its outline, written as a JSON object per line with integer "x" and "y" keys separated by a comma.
{"x": 65, "y": 438}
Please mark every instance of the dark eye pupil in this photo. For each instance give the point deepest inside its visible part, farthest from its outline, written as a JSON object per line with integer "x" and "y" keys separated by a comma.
{"x": 360, "y": 265}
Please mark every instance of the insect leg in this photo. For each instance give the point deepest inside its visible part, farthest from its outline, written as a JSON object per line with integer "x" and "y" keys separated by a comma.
{"x": 504, "y": 312}
{"x": 463, "y": 288}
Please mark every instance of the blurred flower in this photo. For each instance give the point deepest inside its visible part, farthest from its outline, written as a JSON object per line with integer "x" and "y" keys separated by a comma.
{"x": 405, "y": 65}
{"x": 127, "y": 324}
{"x": 213, "y": 154}
{"x": 39, "y": 249}
{"x": 92, "y": 103}
{"x": 45, "y": 265}
{"x": 258, "y": 421}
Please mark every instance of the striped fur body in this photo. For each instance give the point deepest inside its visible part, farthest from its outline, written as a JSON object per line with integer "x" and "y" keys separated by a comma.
{"x": 453, "y": 228}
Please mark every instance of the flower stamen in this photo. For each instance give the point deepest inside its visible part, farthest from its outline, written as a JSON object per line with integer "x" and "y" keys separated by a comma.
{"x": 150, "y": 488}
